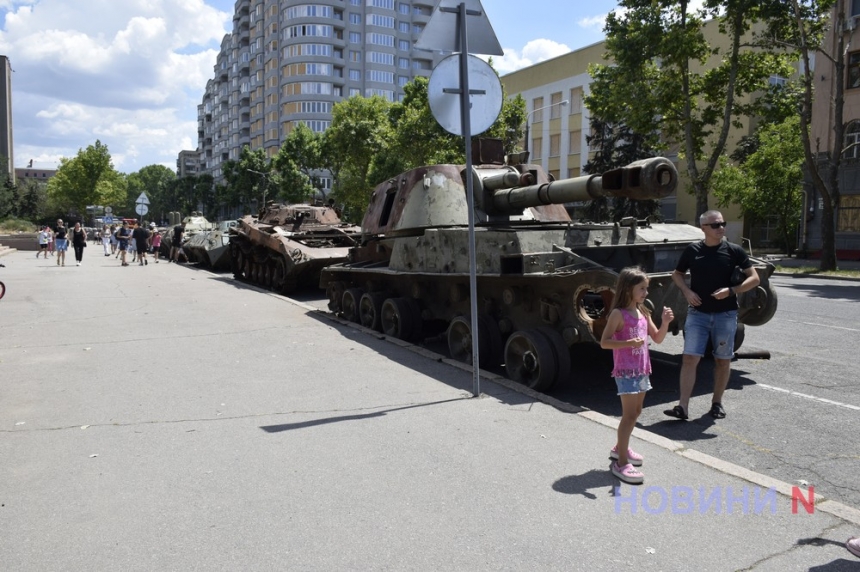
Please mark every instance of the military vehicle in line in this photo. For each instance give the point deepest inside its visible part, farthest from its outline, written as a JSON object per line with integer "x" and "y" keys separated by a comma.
{"x": 545, "y": 282}
{"x": 211, "y": 248}
{"x": 284, "y": 247}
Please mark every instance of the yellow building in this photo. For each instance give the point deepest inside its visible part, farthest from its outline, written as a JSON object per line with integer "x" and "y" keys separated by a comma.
{"x": 557, "y": 124}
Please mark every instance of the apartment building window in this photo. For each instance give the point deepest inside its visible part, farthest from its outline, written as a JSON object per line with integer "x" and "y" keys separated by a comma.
{"x": 354, "y": 56}
{"x": 380, "y": 76}
{"x": 575, "y": 143}
{"x": 537, "y": 112}
{"x": 355, "y": 37}
{"x": 575, "y": 102}
{"x": 536, "y": 147}
{"x": 554, "y": 145}
{"x": 380, "y": 39}
{"x": 308, "y": 11}
{"x": 386, "y": 93}
{"x": 386, "y": 4}
{"x": 403, "y": 45}
{"x": 853, "y": 70}
{"x": 555, "y": 103}
{"x": 403, "y": 63}
{"x": 402, "y": 80}
{"x": 381, "y": 21}
{"x": 354, "y": 18}
{"x": 404, "y": 27}
{"x": 851, "y": 146}
{"x": 355, "y": 75}
{"x": 354, "y": 91}
{"x": 380, "y": 58}
{"x": 848, "y": 219}
{"x": 403, "y": 7}
{"x": 309, "y": 30}
{"x": 355, "y": 2}
{"x": 554, "y": 174}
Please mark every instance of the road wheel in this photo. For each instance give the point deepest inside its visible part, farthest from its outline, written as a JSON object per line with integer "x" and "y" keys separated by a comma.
{"x": 530, "y": 359}
{"x": 398, "y": 318}
{"x": 370, "y": 310}
{"x": 349, "y": 304}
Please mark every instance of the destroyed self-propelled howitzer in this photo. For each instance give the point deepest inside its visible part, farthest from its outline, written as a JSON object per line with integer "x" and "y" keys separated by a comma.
{"x": 284, "y": 247}
{"x": 544, "y": 282}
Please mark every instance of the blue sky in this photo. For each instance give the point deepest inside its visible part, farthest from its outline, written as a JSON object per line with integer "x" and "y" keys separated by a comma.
{"x": 132, "y": 72}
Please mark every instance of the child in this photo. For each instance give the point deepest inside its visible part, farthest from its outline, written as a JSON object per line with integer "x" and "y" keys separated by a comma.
{"x": 626, "y": 334}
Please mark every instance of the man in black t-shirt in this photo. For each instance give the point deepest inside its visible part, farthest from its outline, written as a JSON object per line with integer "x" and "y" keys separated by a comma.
{"x": 176, "y": 242}
{"x": 140, "y": 236}
{"x": 713, "y": 311}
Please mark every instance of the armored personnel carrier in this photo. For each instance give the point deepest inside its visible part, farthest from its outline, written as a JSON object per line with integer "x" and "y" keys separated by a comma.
{"x": 284, "y": 247}
{"x": 544, "y": 282}
{"x": 195, "y": 223}
{"x": 211, "y": 248}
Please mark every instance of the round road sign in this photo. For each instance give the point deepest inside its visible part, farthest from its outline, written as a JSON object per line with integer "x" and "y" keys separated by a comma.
{"x": 141, "y": 209}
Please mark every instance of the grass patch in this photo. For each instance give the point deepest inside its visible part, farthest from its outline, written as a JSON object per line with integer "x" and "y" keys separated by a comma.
{"x": 11, "y": 225}
{"x": 813, "y": 270}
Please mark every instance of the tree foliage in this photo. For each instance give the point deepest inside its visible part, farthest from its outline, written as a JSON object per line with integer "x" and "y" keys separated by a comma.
{"x": 248, "y": 179}
{"x": 686, "y": 92}
{"x": 768, "y": 183}
{"x": 298, "y": 164}
{"x": 89, "y": 178}
{"x": 155, "y": 181}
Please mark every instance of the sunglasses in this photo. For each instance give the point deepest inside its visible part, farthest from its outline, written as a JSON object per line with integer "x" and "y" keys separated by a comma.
{"x": 715, "y": 225}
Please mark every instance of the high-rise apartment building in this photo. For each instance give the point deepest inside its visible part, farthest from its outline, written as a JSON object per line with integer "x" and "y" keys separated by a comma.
{"x": 289, "y": 61}
{"x": 6, "y": 115}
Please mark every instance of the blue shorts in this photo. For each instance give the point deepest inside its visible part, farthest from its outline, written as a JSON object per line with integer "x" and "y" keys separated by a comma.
{"x": 62, "y": 244}
{"x": 720, "y": 328}
{"x": 633, "y": 384}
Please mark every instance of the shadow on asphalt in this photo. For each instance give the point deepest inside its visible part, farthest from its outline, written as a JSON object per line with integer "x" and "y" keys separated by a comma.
{"x": 583, "y": 484}
{"x": 340, "y": 418}
{"x": 842, "y": 291}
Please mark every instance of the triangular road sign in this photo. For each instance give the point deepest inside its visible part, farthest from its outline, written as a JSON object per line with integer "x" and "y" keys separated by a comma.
{"x": 442, "y": 33}
{"x": 142, "y": 199}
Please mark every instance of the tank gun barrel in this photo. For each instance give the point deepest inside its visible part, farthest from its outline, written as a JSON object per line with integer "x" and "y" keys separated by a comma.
{"x": 653, "y": 178}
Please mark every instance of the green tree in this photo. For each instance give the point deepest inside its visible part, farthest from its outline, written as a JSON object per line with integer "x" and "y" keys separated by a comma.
{"x": 359, "y": 131}
{"x": 244, "y": 183}
{"x": 657, "y": 49}
{"x": 800, "y": 26}
{"x": 768, "y": 183}
{"x": 153, "y": 180}
{"x": 34, "y": 198}
{"x": 89, "y": 178}
{"x": 299, "y": 163}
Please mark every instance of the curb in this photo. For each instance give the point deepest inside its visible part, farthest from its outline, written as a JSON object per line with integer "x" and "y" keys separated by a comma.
{"x": 823, "y": 504}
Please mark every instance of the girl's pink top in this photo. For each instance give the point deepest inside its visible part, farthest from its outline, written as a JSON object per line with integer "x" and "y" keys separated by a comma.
{"x": 156, "y": 240}
{"x": 632, "y": 362}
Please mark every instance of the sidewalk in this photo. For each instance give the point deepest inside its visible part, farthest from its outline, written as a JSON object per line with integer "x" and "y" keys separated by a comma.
{"x": 166, "y": 418}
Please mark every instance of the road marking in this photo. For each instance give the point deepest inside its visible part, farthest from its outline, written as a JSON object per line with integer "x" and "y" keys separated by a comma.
{"x": 805, "y": 396}
{"x": 823, "y": 326}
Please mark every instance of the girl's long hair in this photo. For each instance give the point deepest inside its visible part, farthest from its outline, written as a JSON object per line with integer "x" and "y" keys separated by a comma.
{"x": 627, "y": 279}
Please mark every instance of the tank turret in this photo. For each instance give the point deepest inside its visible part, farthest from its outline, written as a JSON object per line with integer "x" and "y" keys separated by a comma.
{"x": 545, "y": 282}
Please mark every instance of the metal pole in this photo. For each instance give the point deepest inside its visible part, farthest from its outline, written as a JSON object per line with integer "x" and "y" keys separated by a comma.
{"x": 465, "y": 118}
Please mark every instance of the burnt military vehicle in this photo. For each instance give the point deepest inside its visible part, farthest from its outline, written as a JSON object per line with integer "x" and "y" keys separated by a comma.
{"x": 211, "y": 248}
{"x": 544, "y": 282}
{"x": 284, "y": 247}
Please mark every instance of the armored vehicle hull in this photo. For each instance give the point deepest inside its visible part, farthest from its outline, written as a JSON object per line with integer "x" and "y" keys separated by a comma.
{"x": 194, "y": 225}
{"x": 286, "y": 246}
{"x": 211, "y": 248}
{"x": 544, "y": 283}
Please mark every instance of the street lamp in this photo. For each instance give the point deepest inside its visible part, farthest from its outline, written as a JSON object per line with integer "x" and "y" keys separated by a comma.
{"x": 533, "y": 111}
{"x": 265, "y": 184}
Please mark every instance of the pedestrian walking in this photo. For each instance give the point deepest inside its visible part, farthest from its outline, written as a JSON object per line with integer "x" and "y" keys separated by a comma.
{"x": 176, "y": 242}
{"x": 122, "y": 236}
{"x": 79, "y": 242}
{"x": 106, "y": 240}
{"x": 114, "y": 243}
{"x": 43, "y": 242}
{"x": 626, "y": 333}
{"x": 50, "y": 240}
{"x": 154, "y": 241}
{"x": 712, "y": 315}
{"x": 140, "y": 236}
{"x": 62, "y": 243}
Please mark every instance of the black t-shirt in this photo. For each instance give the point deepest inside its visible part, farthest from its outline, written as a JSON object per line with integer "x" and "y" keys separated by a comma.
{"x": 177, "y": 234}
{"x": 79, "y": 237}
{"x": 711, "y": 269}
{"x": 61, "y": 233}
{"x": 140, "y": 235}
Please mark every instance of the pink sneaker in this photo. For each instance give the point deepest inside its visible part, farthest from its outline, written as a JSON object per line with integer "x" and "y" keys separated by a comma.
{"x": 627, "y": 473}
{"x": 633, "y": 457}
{"x": 853, "y": 546}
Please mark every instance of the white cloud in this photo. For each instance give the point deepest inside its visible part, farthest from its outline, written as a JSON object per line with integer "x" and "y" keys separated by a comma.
{"x": 128, "y": 72}
{"x": 533, "y": 52}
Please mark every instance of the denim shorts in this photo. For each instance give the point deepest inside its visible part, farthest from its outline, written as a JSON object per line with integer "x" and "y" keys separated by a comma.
{"x": 719, "y": 327}
{"x": 62, "y": 244}
{"x": 633, "y": 384}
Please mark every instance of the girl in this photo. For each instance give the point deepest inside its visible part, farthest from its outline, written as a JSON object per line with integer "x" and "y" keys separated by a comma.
{"x": 626, "y": 333}
{"x": 154, "y": 241}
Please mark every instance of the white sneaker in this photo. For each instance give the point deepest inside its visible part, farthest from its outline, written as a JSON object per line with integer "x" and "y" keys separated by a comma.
{"x": 79, "y": 263}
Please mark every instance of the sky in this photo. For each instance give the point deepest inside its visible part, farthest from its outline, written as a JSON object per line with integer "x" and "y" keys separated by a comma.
{"x": 130, "y": 73}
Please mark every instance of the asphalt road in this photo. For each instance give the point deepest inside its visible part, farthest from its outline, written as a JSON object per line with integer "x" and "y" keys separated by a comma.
{"x": 795, "y": 417}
